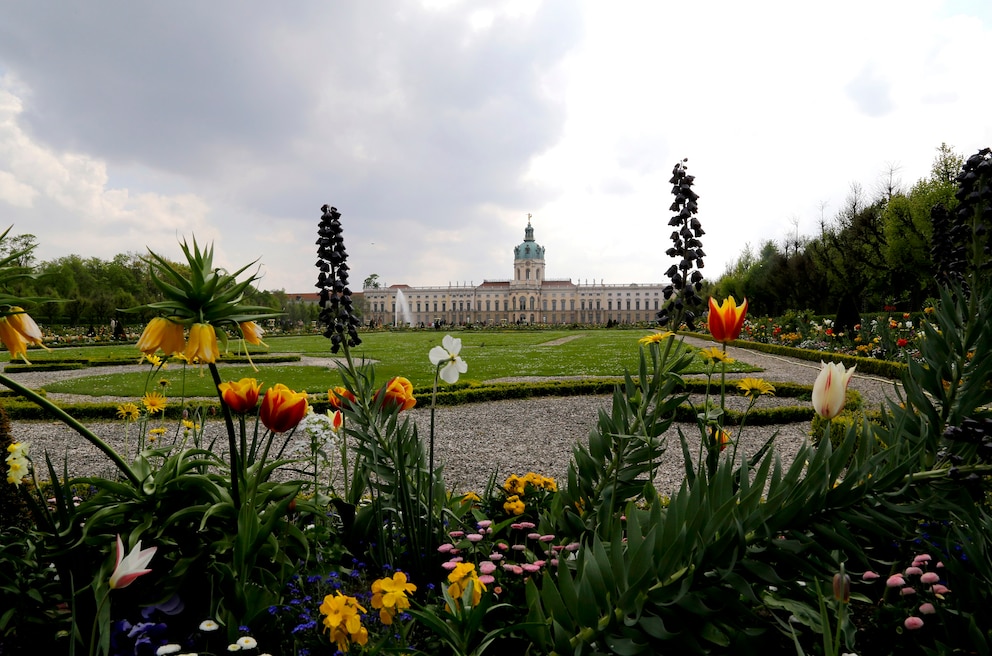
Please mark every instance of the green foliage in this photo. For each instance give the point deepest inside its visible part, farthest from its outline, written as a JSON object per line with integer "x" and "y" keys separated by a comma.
{"x": 623, "y": 451}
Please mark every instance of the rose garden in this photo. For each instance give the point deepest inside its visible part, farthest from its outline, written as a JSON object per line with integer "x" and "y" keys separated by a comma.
{"x": 875, "y": 539}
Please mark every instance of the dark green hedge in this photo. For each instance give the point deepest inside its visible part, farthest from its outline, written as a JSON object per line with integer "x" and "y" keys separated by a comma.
{"x": 67, "y": 364}
{"x": 871, "y": 366}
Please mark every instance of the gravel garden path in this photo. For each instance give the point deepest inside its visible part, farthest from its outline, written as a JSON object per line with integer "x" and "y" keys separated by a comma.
{"x": 514, "y": 436}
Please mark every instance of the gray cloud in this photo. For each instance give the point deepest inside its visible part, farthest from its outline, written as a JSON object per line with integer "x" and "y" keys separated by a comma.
{"x": 870, "y": 92}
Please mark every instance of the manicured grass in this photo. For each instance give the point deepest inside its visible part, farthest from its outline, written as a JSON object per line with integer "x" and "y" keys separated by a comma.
{"x": 490, "y": 355}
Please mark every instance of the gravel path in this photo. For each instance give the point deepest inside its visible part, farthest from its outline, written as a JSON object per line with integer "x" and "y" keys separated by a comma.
{"x": 514, "y": 436}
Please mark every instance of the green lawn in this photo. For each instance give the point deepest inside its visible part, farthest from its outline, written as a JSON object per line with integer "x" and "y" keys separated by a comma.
{"x": 490, "y": 355}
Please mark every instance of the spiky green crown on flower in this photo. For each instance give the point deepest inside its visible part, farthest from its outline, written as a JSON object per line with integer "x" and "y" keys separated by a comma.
{"x": 209, "y": 295}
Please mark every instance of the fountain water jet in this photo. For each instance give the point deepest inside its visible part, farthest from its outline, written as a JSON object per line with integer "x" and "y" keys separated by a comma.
{"x": 402, "y": 310}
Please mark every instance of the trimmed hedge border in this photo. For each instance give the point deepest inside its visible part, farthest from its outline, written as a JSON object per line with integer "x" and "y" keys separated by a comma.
{"x": 19, "y": 409}
{"x": 71, "y": 364}
{"x": 884, "y": 368}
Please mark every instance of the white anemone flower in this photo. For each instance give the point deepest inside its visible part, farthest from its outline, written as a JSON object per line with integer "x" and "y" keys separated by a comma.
{"x": 447, "y": 354}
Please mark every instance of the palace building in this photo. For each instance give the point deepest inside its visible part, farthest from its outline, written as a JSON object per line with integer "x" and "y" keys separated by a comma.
{"x": 528, "y": 298}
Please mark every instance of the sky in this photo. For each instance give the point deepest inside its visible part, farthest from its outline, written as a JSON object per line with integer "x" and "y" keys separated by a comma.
{"x": 436, "y": 127}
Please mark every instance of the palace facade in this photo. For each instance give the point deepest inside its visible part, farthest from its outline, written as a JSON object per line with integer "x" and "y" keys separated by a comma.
{"x": 529, "y": 298}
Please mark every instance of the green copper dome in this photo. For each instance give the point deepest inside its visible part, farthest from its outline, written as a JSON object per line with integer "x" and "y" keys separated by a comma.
{"x": 530, "y": 249}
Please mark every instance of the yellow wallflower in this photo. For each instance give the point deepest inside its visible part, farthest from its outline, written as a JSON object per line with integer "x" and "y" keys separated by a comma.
{"x": 513, "y": 505}
{"x": 460, "y": 577}
{"x": 389, "y": 596}
{"x": 18, "y": 465}
{"x": 343, "y": 620}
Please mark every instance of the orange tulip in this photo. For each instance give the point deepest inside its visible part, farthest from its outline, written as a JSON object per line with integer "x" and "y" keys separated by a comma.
{"x": 720, "y": 437}
{"x": 202, "y": 344}
{"x": 337, "y": 397}
{"x": 726, "y": 320}
{"x": 240, "y": 396}
{"x": 282, "y": 408}
{"x": 252, "y": 333}
{"x": 162, "y": 333}
{"x": 399, "y": 394}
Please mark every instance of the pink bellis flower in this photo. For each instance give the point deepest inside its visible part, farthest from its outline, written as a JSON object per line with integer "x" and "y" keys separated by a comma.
{"x": 131, "y": 566}
{"x": 830, "y": 389}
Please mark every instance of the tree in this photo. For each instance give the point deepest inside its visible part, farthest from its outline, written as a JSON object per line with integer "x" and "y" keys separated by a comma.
{"x": 23, "y": 244}
{"x": 372, "y": 282}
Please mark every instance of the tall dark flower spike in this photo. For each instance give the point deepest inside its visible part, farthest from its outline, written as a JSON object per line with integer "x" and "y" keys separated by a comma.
{"x": 337, "y": 311}
{"x": 681, "y": 295}
{"x": 962, "y": 246}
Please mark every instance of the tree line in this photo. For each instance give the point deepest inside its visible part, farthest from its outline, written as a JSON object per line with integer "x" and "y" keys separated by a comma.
{"x": 90, "y": 292}
{"x": 875, "y": 253}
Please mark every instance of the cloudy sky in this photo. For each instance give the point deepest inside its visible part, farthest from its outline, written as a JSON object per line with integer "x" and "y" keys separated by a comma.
{"x": 437, "y": 126}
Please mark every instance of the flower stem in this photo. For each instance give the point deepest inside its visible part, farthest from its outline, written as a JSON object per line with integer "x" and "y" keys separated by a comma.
{"x": 232, "y": 440}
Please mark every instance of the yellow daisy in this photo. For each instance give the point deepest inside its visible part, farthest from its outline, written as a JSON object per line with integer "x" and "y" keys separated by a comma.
{"x": 715, "y": 354}
{"x": 128, "y": 412}
{"x": 655, "y": 338}
{"x": 755, "y": 387}
{"x": 154, "y": 402}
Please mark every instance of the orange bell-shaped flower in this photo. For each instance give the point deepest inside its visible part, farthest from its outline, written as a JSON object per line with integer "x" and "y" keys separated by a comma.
{"x": 202, "y": 344}
{"x": 164, "y": 334}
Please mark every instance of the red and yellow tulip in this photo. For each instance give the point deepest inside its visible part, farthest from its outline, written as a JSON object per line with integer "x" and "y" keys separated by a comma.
{"x": 726, "y": 320}
{"x": 399, "y": 394}
{"x": 240, "y": 396}
{"x": 282, "y": 408}
{"x": 338, "y": 397}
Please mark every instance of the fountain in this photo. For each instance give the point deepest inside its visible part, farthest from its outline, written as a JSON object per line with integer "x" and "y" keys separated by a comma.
{"x": 402, "y": 310}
